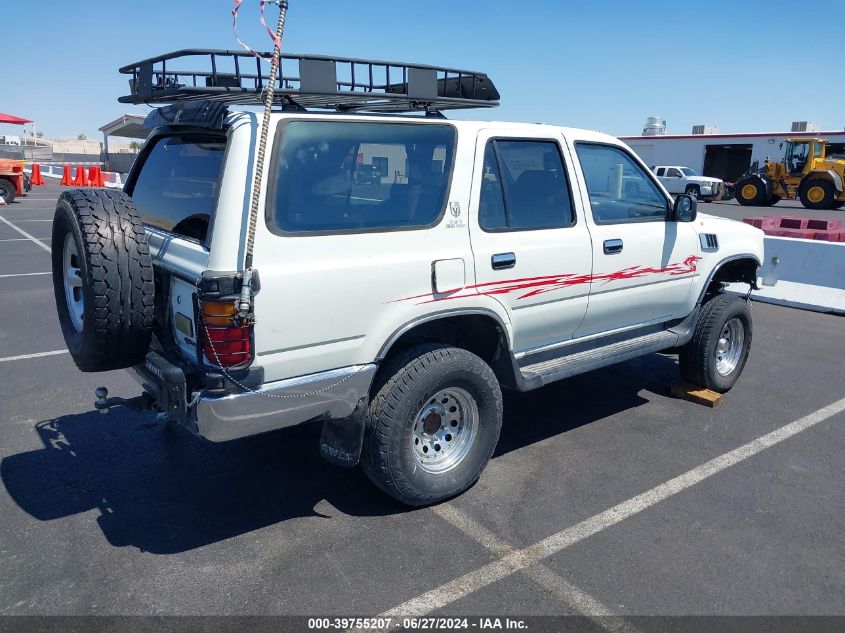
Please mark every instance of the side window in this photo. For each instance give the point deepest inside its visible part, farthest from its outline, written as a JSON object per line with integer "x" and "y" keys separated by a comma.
{"x": 345, "y": 176}
{"x": 673, "y": 173}
{"x": 491, "y": 208}
{"x": 524, "y": 187}
{"x": 619, "y": 189}
{"x": 661, "y": 171}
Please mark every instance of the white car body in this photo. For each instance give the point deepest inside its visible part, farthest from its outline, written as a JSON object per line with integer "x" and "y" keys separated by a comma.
{"x": 678, "y": 179}
{"x": 331, "y": 305}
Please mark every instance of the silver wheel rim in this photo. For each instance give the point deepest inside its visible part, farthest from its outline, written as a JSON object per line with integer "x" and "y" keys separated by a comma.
{"x": 729, "y": 347}
{"x": 73, "y": 282}
{"x": 445, "y": 430}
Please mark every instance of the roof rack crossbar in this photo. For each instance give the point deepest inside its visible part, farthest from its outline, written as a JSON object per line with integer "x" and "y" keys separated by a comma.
{"x": 321, "y": 82}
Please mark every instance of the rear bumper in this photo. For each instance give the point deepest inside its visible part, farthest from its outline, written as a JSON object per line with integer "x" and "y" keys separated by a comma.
{"x": 329, "y": 395}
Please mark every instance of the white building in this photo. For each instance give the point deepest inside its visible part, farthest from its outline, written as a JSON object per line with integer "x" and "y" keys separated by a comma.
{"x": 724, "y": 156}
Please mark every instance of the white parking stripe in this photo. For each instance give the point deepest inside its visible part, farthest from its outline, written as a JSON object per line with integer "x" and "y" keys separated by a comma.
{"x": 23, "y": 275}
{"x": 38, "y": 355}
{"x": 22, "y": 239}
{"x": 25, "y": 234}
{"x": 554, "y": 584}
{"x": 519, "y": 560}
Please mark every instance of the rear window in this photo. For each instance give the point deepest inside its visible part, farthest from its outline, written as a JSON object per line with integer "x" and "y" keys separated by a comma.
{"x": 177, "y": 187}
{"x": 341, "y": 176}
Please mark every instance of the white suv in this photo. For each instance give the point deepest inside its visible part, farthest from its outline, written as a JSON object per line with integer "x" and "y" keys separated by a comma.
{"x": 474, "y": 256}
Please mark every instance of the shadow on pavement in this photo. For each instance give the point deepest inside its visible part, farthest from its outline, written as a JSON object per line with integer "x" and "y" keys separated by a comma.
{"x": 165, "y": 491}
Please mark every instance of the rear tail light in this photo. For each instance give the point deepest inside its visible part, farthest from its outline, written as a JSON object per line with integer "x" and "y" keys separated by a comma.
{"x": 226, "y": 342}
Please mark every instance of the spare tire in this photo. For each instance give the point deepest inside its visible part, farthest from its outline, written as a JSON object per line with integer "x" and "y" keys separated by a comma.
{"x": 102, "y": 279}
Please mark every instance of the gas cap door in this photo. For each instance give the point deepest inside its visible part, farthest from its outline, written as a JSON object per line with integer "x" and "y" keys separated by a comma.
{"x": 447, "y": 276}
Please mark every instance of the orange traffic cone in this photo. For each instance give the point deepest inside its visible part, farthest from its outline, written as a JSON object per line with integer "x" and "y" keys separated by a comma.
{"x": 67, "y": 180}
{"x": 80, "y": 180}
{"x": 100, "y": 181}
{"x": 92, "y": 176}
{"x": 35, "y": 176}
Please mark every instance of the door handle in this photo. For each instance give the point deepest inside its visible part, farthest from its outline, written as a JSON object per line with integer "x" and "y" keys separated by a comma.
{"x": 500, "y": 261}
{"x": 612, "y": 246}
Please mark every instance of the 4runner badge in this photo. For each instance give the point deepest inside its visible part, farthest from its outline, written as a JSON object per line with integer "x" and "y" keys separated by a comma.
{"x": 455, "y": 209}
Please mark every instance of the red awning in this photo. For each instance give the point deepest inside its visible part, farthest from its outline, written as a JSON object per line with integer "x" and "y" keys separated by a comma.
{"x": 14, "y": 120}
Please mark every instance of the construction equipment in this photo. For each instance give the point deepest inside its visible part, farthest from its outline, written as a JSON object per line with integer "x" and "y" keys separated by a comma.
{"x": 805, "y": 173}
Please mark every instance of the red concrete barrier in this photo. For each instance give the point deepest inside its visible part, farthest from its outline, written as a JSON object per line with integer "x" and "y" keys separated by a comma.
{"x": 797, "y": 227}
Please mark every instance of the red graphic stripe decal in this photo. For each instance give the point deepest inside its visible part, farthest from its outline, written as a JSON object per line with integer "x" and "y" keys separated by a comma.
{"x": 541, "y": 285}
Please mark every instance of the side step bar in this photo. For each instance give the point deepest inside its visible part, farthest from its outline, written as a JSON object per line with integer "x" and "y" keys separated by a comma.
{"x": 548, "y": 371}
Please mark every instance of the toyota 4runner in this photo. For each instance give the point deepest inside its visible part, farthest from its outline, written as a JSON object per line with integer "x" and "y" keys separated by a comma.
{"x": 474, "y": 256}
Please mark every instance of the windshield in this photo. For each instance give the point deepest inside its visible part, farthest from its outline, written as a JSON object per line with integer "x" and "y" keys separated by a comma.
{"x": 688, "y": 172}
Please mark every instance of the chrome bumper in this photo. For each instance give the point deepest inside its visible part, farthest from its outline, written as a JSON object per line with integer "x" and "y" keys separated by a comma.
{"x": 329, "y": 395}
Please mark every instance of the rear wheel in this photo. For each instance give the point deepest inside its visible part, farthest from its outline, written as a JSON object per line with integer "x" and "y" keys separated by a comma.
{"x": 750, "y": 192}
{"x": 817, "y": 194}
{"x": 433, "y": 423}
{"x": 716, "y": 354}
{"x": 772, "y": 201}
{"x": 102, "y": 279}
{"x": 7, "y": 190}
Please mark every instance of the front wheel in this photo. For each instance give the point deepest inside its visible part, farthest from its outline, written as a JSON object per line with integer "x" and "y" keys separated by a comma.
{"x": 7, "y": 190}
{"x": 433, "y": 423}
{"x": 750, "y": 192}
{"x": 694, "y": 192}
{"x": 716, "y": 354}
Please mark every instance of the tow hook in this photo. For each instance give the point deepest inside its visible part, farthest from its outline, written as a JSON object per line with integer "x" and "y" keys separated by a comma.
{"x": 103, "y": 403}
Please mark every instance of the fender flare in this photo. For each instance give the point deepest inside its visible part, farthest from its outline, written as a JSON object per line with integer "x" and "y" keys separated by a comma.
{"x": 442, "y": 314}
{"x": 718, "y": 267}
{"x": 836, "y": 178}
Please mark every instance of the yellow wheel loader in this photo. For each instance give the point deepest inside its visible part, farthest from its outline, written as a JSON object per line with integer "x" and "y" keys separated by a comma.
{"x": 804, "y": 173}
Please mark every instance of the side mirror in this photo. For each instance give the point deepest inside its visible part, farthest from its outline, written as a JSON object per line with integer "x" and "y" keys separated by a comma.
{"x": 685, "y": 208}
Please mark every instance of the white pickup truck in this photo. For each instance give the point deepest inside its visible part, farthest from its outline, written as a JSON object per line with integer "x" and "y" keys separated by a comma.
{"x": 392, "y": 309}
{"x": 679, "y": 179}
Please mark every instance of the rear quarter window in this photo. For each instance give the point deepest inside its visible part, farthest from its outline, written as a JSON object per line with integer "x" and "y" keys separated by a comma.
{"x": 176, "y": 188}
{"x": 347, "y": 176}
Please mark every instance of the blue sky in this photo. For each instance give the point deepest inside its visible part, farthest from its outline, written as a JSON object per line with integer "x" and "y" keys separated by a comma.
{"x": 603, "y": 65}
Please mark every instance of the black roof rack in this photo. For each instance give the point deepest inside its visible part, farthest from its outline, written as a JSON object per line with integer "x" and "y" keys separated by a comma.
{"x": 307, "y": 81}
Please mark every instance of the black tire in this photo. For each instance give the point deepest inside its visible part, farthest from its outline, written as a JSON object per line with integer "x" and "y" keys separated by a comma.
{"x": 403, "y": 387}
{"x": 772, "y": 201}
{"x": 7, "y": 190}
{"x": 698, "y": 358}
{"x": 748, "y": 197}
{"x": 837, "y": 205}
{"x": 694, "y": 191}
{"x": 117, "y": 288}
{"x": 828, "y": 196}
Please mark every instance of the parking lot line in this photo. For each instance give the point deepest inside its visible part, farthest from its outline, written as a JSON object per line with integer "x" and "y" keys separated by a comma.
{"x": 22, "y": 239}
{"x": 22, "y": 275}
{"x": 37, "y": 355}
{"x": 518, "y": 560}
{"x": 25, "y": 234}
{"x": 553, "y": 583}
